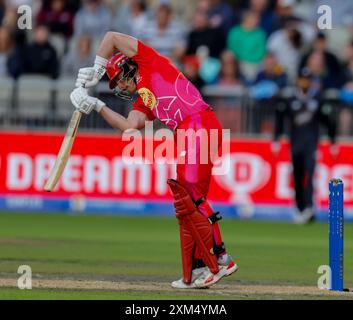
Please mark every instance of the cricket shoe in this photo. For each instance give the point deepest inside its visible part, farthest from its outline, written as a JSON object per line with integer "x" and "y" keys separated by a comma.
{"x": 305, "y": 216}
{"x": 208, "y": 278}
{"x": 196, "y": 273}
{"x": 227, "y": 262}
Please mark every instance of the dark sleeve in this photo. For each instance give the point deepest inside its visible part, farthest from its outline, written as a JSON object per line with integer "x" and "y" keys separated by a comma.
{"x": 280, "y": 117}
{"x": 328, "y": 119}
{"x": 336, "y": 70}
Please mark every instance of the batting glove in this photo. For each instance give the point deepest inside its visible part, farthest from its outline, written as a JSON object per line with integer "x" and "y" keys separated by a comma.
{"x": 89, "y": 77}
{"x": 85, "y": 103}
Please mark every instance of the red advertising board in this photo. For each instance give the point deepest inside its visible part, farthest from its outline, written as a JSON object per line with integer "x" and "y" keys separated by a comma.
{"x": 96, "y": 169}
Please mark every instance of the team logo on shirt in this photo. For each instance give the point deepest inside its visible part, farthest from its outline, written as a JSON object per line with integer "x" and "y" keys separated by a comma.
{"x": 147, "y": 97}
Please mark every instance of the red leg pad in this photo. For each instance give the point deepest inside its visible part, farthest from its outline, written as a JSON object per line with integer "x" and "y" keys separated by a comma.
{"x": 194, "y": 225}
{"x": 201, "y": 231}
{"x": 187, "y": 244}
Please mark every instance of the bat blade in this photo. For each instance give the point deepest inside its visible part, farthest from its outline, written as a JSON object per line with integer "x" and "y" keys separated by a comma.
{"x": 64, "y": 152}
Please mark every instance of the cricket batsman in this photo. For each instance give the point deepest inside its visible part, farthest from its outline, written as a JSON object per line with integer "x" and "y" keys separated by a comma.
{"x": 163, "y": 92}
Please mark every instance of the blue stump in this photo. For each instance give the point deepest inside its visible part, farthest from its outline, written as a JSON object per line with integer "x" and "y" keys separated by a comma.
{"x": 336, "y": 226}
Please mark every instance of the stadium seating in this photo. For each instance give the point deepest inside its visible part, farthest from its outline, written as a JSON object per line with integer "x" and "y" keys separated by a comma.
{"x": 6, "y": 91}
{"x": 35, "y": 96}
{"x": 63, "y": 107}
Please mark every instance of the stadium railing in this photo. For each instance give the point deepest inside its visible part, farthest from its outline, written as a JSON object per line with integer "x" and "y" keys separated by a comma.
{"x": 39, "y": 103}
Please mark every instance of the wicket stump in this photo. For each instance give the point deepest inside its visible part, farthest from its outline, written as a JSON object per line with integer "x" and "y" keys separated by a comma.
{"x": 336, "y": 226}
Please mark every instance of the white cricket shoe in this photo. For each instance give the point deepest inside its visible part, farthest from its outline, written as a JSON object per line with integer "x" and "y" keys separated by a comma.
{"x": 226, "y": 267}
{"x": 208, "y": 278}
{"x": 304, "y": 217}
{"x": 196, "y": 273}
{"x": 227, "y": 262}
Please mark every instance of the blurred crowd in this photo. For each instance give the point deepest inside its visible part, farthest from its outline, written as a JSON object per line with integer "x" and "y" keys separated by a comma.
{"x": 257, "y": 44}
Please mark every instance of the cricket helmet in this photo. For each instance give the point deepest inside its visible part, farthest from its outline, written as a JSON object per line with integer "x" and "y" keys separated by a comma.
{"x": 114, "y": 66}
{"x": 117, "y": 64}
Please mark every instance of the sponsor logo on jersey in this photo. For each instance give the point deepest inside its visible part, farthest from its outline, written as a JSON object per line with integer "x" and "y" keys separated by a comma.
{"x": 147, "y": 97}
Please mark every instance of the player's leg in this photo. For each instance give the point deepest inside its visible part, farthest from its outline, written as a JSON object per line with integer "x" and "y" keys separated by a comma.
{"x": 195, "y": 230}
{"x": 198, "y": 191}
{"x": 195, "y": 173}
{"x": 310, "y": 163}
{"x": 196, "y": 177}
{"x": 197, "y": 263}
{"x": 299, "y": 174}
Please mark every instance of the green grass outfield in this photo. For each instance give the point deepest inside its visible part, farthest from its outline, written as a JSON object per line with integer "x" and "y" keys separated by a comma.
{"x": 137, "y": 257}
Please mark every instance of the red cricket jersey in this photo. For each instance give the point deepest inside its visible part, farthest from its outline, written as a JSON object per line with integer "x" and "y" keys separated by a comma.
{"x": 164, "y": 92}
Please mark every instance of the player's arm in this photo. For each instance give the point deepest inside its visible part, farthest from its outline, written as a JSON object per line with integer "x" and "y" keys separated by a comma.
{"x": 86, "y": 104}
{"x": 327, "y": 117}
{"x": 135, "y": 119}
{"x": 280, "y": 116}
{"x": 111, "y": 43}
{"x": 115, "y": 41}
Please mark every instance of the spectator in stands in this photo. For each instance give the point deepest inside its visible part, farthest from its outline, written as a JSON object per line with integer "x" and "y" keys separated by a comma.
{"x": 287, "y": 45}
{"x": 285, "y": 16}
{"x": 132, "y": 18}
{"x": 203, "y": 5}
{"x": 266, "y": 92}
{"x": 221, "y": 15}
{"x": 342, "y": 23}
{"x": 203, "y": 35}
{"x": 267, "y": 16}
{"x": 285, "y": 13}
{"x": 191, "y": 67}
{"x": 346, "y": 94}
{"x": 209, "y": 66}
{"x": 229, "y": 74}
{"x": 93, "y": 18}
{"x": 15, "y": 61}
{"x": 73, "y": 5}
{"x": 165, "y": 34}
{"x": 57, "y": 17}
{"x": 333, "y": 76}
{"x": 41, "y": 56}
{"x": 5, "y": 47}
{"x": 316, "y": 64}
{"x": 79, "y": 57}
{"x": 38, "y": 57}
{"x": 10, "y": 18}
{"x": 230, "y": 78}
{"x": 272, "y": 71}
{"x": 248, "y": 42}
{"x": 348, "y": 68}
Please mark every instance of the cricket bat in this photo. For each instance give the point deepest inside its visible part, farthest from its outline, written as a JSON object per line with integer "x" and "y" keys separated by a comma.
{"x": 64, "y": 152}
